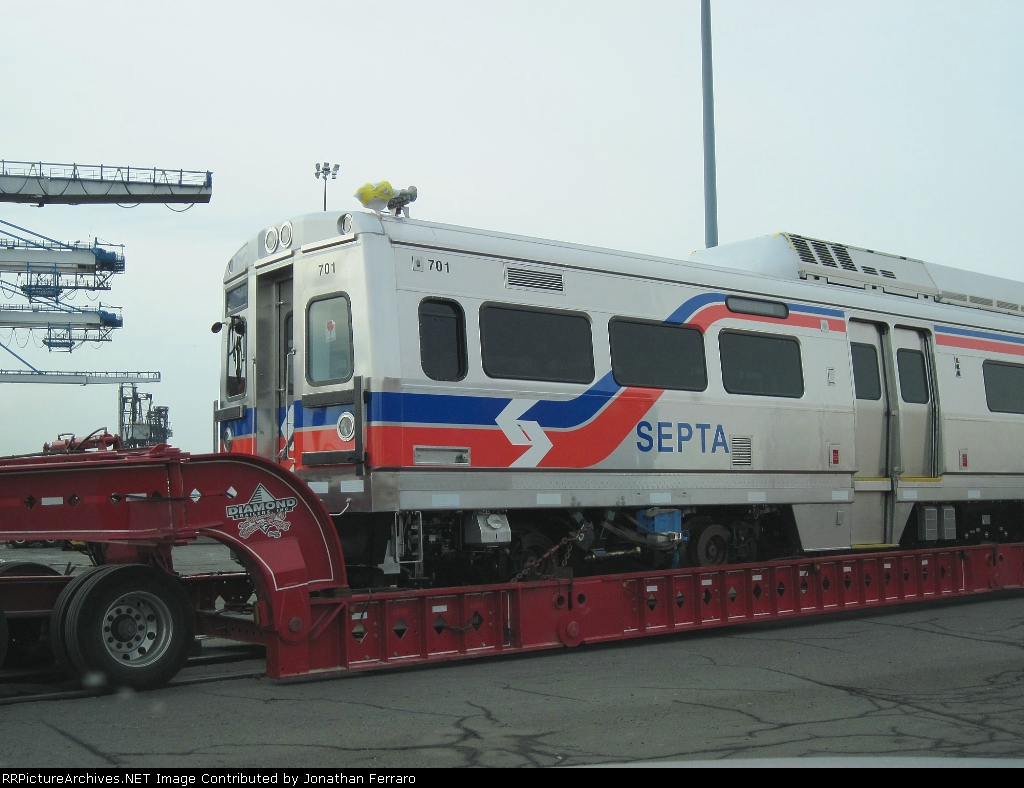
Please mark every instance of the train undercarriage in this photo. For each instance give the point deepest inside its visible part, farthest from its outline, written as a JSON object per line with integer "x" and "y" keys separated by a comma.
{"x": 425, "y": 550}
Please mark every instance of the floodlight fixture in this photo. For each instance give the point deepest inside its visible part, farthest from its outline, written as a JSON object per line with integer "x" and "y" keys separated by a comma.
{"x": 323, "y": 171}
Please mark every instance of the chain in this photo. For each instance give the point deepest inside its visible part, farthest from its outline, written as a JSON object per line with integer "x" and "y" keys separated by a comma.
{"x": 568, "y": 540}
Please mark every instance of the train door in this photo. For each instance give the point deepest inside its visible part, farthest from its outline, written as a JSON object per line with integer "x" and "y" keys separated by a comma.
{"x": 871, "y": 403}
{"x": 275, "y": 367}
{"x": 286, "y": 371}
{"x": 916, "y": 404}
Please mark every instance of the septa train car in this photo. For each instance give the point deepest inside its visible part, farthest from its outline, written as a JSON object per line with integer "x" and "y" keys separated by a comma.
{"x": 464, "y": 400}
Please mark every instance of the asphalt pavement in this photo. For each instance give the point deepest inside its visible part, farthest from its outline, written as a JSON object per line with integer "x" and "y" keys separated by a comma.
{"x": 942, "y": 680}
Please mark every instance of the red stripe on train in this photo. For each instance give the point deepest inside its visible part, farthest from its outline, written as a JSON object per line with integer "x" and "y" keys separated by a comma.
{"x": 979, "y": 344}
{"x": 589, "y": 445}
{"x": 712, "y": 314}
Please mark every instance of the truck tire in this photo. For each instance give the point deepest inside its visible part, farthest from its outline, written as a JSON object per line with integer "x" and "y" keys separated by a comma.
{"x": 58, "y": 619}
{"x": 27, "y": 569}
{"x": 129, "y": 626}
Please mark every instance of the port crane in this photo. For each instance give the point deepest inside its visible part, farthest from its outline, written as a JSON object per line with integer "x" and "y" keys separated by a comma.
{"x": 47, "y": 273}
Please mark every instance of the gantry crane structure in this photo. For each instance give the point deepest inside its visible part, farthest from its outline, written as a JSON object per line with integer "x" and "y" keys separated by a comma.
{"x": 47, "y": 273}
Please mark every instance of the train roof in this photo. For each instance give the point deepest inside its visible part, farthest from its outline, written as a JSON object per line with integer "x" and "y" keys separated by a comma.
{"x": 790, "y": 256}
{"x": 781, "y": 257}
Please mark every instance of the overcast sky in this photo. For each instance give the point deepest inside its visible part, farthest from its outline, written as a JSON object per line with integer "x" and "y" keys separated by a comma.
{"x": 891, "y": 125}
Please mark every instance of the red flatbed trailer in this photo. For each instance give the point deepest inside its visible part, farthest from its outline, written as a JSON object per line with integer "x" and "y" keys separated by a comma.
{"x": 133, "y": 619}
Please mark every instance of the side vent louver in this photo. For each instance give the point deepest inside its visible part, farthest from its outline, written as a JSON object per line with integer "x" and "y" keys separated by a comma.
{"x": 532, "y": 279}
{"x": 741, "y": 450}
{"x": 888, "y": 274}
{"x": 869, "y": 270}
{"x": 981, "y": 303}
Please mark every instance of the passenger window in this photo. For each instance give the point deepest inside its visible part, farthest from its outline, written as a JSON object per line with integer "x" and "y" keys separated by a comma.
{"x": 866, "y": 380}
{"x": 328, "y": 340}
{"x": 1004, "y": 387}
{"x": 236, "y": 358}
{"x": 442, "y": 340}
{"x": 658, "y": 356}
{"x": 760, "y": 364}
{"x": 913, "y": 377}
{"x": 533, "y": 344}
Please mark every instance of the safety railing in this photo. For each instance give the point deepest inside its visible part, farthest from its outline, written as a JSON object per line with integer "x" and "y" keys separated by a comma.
{"x": 102, "y": 172}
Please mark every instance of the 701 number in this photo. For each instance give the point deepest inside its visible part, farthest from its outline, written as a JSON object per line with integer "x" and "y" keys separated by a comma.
{"x": 326, "y": 268}
{"x": 441, "y": 266}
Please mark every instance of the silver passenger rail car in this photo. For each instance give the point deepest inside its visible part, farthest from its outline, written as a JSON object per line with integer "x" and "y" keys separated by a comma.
{"x": 475, "y": 406}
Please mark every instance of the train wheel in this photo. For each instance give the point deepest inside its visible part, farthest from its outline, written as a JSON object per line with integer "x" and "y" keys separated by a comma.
{"x": 712, "y": 548}
{"x": 26, "y": 644}
{"x": 533, "y": 546}
{"x": 58, "y": 619}
{"x": 132, "y": 625}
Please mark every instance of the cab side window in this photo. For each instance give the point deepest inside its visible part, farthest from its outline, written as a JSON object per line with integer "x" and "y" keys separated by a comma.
{"x": 442, "y": 340}
{"x": 235, "y": 383}
{"x": 329, "y": 340}
{"x": 235, "y": 300}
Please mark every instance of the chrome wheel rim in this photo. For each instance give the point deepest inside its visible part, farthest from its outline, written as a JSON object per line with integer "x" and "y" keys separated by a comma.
{"x": 137, "y": 629}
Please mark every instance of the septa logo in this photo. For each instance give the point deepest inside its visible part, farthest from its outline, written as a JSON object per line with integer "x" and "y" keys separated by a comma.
{"x": 263, "y": 512}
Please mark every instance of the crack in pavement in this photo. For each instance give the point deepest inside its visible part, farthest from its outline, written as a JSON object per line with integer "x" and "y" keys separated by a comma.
{"x": 83, "y": 744}
{"x": 342, "y": 701}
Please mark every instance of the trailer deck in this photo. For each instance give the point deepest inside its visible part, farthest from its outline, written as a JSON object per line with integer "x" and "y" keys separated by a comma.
{"x": 138, "y": 504}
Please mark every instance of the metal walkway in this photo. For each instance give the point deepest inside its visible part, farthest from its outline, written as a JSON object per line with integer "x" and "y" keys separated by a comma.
{"x": 76, "y": 378}
{"x": 45, "y": 183}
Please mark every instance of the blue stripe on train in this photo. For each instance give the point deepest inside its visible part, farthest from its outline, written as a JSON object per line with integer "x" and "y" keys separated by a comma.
{"x": 394, "y": 406}
{"x": 979, "y": 334}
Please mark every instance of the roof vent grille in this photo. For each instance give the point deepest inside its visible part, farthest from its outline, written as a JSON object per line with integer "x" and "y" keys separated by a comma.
{"x": 531, "y": 279}
{"x": 954, "y": 297}
{"x": 887, "y": 274}
{"x": 1008, "y": 305}
{"x": 824, "y": 255}
{"x": 869, "y": 270}
{"x": 741, "y": 449}
{"x": 981, "y": 301}
{"x": 844, "y": 258}
{"x": 803, "y": 250}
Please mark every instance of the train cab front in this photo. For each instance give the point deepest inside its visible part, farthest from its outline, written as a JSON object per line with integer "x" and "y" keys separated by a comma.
{"x": 293, "y": 298}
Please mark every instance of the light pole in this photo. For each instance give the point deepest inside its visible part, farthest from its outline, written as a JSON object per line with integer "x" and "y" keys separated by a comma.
{"x": 710, "y": 187}
{"x": 322, "y": 171}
